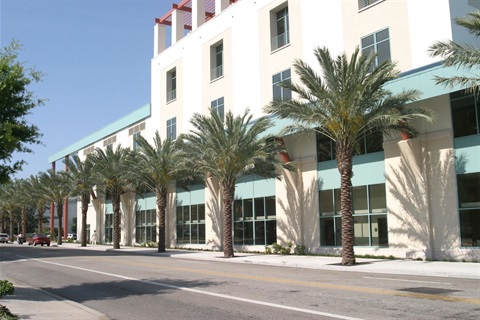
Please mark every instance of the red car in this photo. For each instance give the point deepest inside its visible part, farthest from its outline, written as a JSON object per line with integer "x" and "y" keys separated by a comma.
{"x": 39, "y": 238}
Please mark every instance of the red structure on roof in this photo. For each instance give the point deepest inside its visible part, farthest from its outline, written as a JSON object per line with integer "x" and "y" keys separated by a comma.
{"x": 186, "y": 6}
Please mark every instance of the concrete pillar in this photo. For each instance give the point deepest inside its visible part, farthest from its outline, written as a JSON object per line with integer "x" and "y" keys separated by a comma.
{"x": 65, "y": 209}
{"x": 198, "y": 13}
{"x": 52, "y": 210}
{"x": 160, "y": 39}
{"x": 178, "y": 23}
{"x": 221, "y": 5}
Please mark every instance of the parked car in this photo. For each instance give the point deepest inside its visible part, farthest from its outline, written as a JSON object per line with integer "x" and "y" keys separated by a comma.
{"x": 72, "y": 236}
{"x": 39, "y": 238}
{"x": 4, "y": 238}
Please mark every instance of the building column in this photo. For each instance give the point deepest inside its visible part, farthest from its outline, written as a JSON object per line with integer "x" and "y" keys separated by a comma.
{"x": 160, "y": 39}
{"x": 198, "y": 13}
{"x": 221, "y": 5}
{"x": 178, "y": 25}
{"x": 52, "y": 210}
{"x": 65, "y": 208}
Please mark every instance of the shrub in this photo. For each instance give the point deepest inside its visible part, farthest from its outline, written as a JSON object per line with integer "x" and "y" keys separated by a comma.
{"x": 6, "y": 288}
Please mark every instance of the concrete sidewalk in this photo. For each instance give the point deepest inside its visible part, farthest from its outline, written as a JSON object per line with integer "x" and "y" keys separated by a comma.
{"x": 33, "y": 303}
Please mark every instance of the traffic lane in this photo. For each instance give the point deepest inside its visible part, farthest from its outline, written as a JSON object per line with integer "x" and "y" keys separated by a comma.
{"x": 248, "y": 287}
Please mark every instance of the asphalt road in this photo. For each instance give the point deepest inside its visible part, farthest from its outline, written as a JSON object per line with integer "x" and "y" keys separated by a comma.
{"x": 131, "y": 286}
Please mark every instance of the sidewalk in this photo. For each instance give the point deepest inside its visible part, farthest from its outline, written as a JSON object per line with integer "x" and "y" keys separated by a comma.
{"x": 32, "y": 303}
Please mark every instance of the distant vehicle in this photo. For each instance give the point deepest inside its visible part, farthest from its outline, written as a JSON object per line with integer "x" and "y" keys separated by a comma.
{"x": 72, "y": 236}
{"x": 4, "y": 238}
{"x": 39, "y": 238}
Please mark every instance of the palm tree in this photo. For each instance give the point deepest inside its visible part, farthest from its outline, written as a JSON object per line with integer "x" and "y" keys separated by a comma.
{"x": 228, "y": 151}
{"x": 348, "y": 102}
{"x": 24, "y": 200}
{"x": 34, "y": 188}
{"x": 461, "y": 56}
{"x": 81, "y": 179}
{"x": 56, "y": 189}
{"x": 8, "y": 204}
{"x": 114, "y": 172}
{"x": 160, "y": 170}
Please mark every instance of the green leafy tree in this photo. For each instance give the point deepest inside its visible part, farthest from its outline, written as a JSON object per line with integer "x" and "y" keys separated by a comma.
{"x": 16, "y": 102}
{"x": 114, "y": 172}
{"x": 228, "y": 151}
{"x": 461, "y": 56}
{"x": 160, "y": 168}
{"x": 56, "y": 188}
{"x": 347, "y": 102}
{"x": 82, "y": 180}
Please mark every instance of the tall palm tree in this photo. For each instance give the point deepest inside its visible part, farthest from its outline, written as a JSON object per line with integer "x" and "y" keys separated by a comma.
{"x": 160, "y": 168}
{"x": 461, "y": 56}
{"x": 82, "y": 181}
{"x": 56, "y": 189}
{"x": 24, "y": 201}
{"x": 114, "y": 172}
{"x": 345, "y": 103}
{"x": 8, "y": 204}
{"x": 34, "y": 188}
{"x": 228, "y": 151}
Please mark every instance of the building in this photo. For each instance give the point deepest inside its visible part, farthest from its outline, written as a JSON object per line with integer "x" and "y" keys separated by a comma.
{"x": 414, "y": 198}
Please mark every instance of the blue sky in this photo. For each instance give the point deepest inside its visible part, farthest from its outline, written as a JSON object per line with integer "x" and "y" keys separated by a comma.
{"x": 95, "y": 56}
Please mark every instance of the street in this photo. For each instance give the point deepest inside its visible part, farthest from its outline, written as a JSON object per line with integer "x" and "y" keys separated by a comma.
{"x": 132, "y": 286}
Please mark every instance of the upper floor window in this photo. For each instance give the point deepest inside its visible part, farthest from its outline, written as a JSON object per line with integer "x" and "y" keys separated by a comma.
{"x": 171, "y": 85}
{"x": 278, "y": 91}
{"x": 136, "y": 131}
{"x": 367, "y": 143}
{"x": 108, "y": 143}
{"x": 218, "y": 107}
{"x": 280, "y": 32}
{"x": 88, "y": 150}
{"x": 172, "y": 128}
{"x": 465, "y": 113}
{"x": 216, "y": 61}
{"x": 378, "y": 43}
{"x": 365, "y": 3}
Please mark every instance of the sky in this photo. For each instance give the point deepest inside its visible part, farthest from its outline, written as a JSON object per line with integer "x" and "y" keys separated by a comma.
{"x": 95, "y": 56}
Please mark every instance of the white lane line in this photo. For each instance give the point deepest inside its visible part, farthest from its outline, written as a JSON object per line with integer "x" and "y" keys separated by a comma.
{"x": 218, "y": 295}
{"x": 406, "y": 280}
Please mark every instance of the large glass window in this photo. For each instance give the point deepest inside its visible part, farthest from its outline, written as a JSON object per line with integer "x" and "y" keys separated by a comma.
{"x": 255, "y": 221}
{"x": 109, "y": 227}
{"x": 367, "y": 143}
{"x": 378, "y": 43}
{"x": 172, "y": 128}
{"x": 369, "y": 214}
{"x": 469, "y": 208}
{"x": 216, "y": 61}
{"x": 145, "y": 226}
{"x": 465, "y": 113}
{"x": 280, "y": 29}
{"x": 218, "y": 107}
{"x": 191, "y": 224}
{"x": 171, "y": 85}
{"x": 280, "y": 93}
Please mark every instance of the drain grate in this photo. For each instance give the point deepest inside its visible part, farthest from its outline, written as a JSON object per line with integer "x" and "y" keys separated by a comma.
{"x": 428, "y": 290}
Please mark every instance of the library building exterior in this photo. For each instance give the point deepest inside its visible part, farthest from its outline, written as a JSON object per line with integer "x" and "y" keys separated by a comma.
{"x": 416, "y": 198}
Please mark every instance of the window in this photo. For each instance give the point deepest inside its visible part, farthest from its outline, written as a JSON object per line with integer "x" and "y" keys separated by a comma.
{"x": 469, "y": 208}
{"x": 216, "y": 61}
{"x": 280, "y": 29}
{"x": 172, "y": 128}
{"x": 171, "y": 85}
{"x": 465, "y": 113}
{"x": 191, "y": 224}
{"x": 379, "y": 43}
{"x": 280, "y": 93}
{"x": 88, "y": 150}
{"x": 145, "y": 226}
{"x": 108, "y": 143}
{"x": 255, "y": 221}
{"x": 365, "y": 3}
{"x": 135, "y": 131}
{"x": 109, "y": 227}
{"x": 367, "y": 143}
{"x": 369, "y": 214}
{"x": 218, "y": 107}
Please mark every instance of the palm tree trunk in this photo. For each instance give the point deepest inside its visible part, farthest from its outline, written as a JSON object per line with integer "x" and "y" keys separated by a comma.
{"x": 60, "y": 218}
{"x": 11, "y": 226}
{"x": 85, "y": 202}
{"x": 161, "y": 206}
{"x": 228, "y": 193}
{"x": 24, "y": 221}
{"x": 116, "y": 221}
{"x": 40, "y": 219}
{"x": 344, "y": 160}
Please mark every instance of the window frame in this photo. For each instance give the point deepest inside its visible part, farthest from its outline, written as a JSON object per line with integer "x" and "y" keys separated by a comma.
{"x": 171, "y": 93}
{"x": 171, "y": 128}
{"x": 285, "y": 93}
{"x": 216, "y": 61}
{"x": 279, "y": 19}
{"x": 375, "y": 45}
